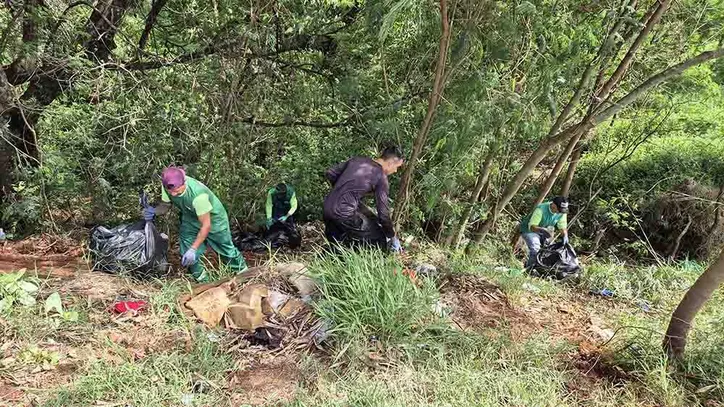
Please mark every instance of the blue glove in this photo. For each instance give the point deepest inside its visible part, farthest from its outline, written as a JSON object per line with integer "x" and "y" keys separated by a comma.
{"x": 189, "y": 257}
{"x": 395, "y": 245}
{"x": 149, "y": 212}
{"x": 283, "y": 218}
{"x": 565, "y": 239}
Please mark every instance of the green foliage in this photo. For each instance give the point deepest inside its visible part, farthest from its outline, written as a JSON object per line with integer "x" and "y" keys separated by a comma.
{"x": 365, "y": 294}
{"x": 17, "y": 289}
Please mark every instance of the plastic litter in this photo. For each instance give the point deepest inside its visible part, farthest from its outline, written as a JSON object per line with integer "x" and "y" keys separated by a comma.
{"x": 136, "y": 249}
{"x": 605, "y": 292}
{"x": 135, "y": 307}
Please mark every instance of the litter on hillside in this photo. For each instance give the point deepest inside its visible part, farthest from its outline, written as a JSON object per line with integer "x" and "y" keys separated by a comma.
{"x": 270, "y": 306}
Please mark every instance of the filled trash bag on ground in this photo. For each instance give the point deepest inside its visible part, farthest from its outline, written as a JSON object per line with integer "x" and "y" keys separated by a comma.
{"x": 557, "y": 261}
{"x": 136, "y": 249}
{"x": 280, "y": 234}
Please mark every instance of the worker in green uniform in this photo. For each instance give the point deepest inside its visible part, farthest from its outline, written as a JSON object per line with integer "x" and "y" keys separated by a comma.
{"x": 203, "y": 222}
{"x": 281, "y": 203}
{"x": 534, "y": 228}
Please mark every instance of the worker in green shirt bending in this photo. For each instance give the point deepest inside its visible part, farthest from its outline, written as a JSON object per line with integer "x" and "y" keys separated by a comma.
{"x": 281, "y": 203}
{"x": 203, "y": 221}
{"x": 534, "y": 228}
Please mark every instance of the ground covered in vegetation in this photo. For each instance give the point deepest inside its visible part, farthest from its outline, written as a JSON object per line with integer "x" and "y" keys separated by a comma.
{"x": 479, "y": 332}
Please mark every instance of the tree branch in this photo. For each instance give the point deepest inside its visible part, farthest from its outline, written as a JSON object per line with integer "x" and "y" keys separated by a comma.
{"x": 654, "y": 81}
{"x": 156, "y": 7}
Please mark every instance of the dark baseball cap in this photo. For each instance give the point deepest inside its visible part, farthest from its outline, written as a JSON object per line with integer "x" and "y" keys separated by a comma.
{"x": 562, "y": 203}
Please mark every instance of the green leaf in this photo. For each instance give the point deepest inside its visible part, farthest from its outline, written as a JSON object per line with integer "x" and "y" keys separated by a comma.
{"x": 28, "y": 287}
{"x": 26, "y": 299}
{"x": 70, "y": 316}
{"x": 53, "y": 303}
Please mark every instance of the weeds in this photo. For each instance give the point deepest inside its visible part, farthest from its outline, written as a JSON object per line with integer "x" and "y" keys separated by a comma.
{"x": 365, "y": 294}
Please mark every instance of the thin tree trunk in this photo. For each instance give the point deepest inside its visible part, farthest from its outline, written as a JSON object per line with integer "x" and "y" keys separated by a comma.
{"x": 677, "y": 243}
{"x": 556, "y": 171}
{"x": 483, "y": 177}
{"x": 435, "y": 95}
{"x": 680, "y": 324}
{"x": 575, "y": 158}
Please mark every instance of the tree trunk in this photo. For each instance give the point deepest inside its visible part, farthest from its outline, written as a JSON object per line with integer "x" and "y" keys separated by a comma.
{"x": 575, "y": 158}
{"x": 695, "y": 298}
{"x": 556, "y": 171}
{"x": 483, "y": 177}
{"x": 437, "y": 89}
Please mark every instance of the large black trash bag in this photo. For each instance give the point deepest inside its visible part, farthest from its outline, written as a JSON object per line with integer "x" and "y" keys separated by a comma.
{"x": 136, "y": 249}
{"x": 283, "y": 234}
{"x": 279, "y": 234}
{"x": 557, "y": 261}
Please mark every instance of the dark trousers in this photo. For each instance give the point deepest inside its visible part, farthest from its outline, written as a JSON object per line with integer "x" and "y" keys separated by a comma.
{"x": 360, "y": 230}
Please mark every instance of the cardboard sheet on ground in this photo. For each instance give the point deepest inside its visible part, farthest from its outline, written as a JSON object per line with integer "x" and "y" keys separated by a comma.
{"x": 259, "y": 299}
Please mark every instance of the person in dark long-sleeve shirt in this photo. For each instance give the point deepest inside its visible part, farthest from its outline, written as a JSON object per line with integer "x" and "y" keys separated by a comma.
{"x": 347, "y": 219}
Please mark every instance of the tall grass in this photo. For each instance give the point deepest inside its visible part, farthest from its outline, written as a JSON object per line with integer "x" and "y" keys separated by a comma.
{"x": 366, "y": 294}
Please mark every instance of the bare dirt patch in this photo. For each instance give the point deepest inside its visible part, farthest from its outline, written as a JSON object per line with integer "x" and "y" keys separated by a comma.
{"x": 266, "y": 382}
{"x": 477, "y": 304}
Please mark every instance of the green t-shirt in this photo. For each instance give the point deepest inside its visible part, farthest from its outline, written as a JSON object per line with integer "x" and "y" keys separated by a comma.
{"x": 195, "y": 201}
{"x": 288, "y": 204}
{"x": 544, "y": 218}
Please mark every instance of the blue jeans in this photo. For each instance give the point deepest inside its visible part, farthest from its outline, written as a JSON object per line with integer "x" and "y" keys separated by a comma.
{"x": 533, "y": 241}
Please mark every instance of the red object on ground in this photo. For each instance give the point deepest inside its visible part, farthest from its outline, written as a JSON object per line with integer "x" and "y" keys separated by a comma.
{"x": 125, "y": 306}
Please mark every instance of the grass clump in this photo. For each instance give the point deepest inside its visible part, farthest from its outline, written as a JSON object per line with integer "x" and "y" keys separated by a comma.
{"x": 366, "y": 294}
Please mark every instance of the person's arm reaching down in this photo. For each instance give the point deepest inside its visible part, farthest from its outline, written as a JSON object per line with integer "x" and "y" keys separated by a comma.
{"x": 202, "y": 207}
{"x": 562, "y": 225}
{"x": 269, "y": 203}
{"x": 382, "y": 190}
{"x": 334, "y": 172}
{"x": 292, "y": 204}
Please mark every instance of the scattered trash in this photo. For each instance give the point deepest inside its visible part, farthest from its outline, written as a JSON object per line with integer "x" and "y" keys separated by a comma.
{"x": 530, "y": 287}
{"x": 268, "y": 310}
{"x": 644, "y": 305}
{"x": 501, "y": 269}
{"x": 426, "y": 270}
{"x": 596, "y": 328}
{"x": 187, "y": 399}
{"x": 210, "y": 305}
{"x": 2, "y": 235}
{"x": 134, "y": 307}
{"x": 213, "y": 337}
{"x": 605, "y": 292}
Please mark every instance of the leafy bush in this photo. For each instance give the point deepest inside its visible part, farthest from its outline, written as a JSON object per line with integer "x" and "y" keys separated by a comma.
{"x": 366, "y": 294}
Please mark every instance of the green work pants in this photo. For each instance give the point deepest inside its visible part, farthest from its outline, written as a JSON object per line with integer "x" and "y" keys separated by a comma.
{"x": 220, "y": 241}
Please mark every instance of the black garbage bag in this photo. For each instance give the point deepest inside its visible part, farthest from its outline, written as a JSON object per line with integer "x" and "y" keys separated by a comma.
{"x": 136, "y": 249}
{"x": 279, "y": 234}
{"x": 558, "y": 261}
{"x": 249, "y": 242}
{"x": 283, "y": 234}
